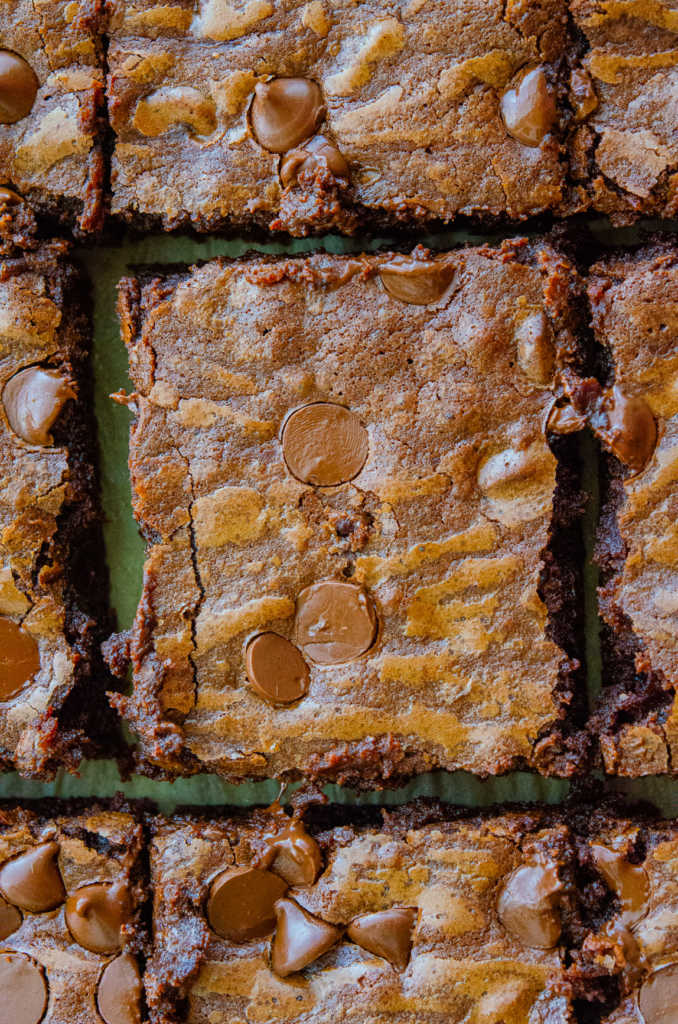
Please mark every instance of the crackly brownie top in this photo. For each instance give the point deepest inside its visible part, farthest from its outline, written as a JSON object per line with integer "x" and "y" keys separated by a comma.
{"x": 342, "y": 469}
{"x": 635, "y": 309}
{"x": 70, "y": 898}
{"x": 638, "y": 863}
{"x": 388, "y": 922}
{"x": 39, "y": 342}
{"x": 50, "y": 67}
{"x": 627, "y": 145}
{"x": 415, "y": 107}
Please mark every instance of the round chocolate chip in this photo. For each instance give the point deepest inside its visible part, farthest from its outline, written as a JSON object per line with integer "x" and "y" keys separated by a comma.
{"x": 276, "y": 669}
{"x": 241, "y": 903}
{"x": 10, "y": 919}
{"x": 417, "y": 282}
{"x": 33, "y": 399}
{"x": 23, "y": 988}
{"x": 387, "y": 933}
{"x": 658, "y": 998}
{"x": 528, "y": 107}
{"x": 19, "y": 659}
{"x": 324, "y": 444}
{"x": 285, "y": 111}
{"x": 627, "y": 427}
{"x": 315, "y": 154}
{"x": 528, "y": 905}
{"x": 335, "y": 622}
{"x": 95, "y": 915}
{"x": 119, "y": 991}
{"x": 291, "y": 852}
{"x": 33, "y": 881}
{"x": 300, "y": 938}
{"x": 18, "y": 87}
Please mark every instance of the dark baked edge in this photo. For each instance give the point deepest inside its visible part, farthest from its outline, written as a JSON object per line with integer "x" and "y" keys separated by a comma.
{"x": 79, "y": 722}
{"x": 561, "y": 750}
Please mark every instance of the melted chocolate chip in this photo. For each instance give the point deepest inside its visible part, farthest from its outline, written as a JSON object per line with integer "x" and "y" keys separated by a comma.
{"x": 290, "y": 851}
{"x": 23, "y": 988}
{"x": 528, "y": 905}
{"x": 563, "y": 419}
{"x": 300, "y": 938}
{"x": 10, "y": 919}
{"x": 388, "y": 934}
{"x": 658, "y": 998}
{"x": 95, "y": 915}
{"x": 33, "y": 881}
{"x": 8, "y": 197}
{"x": 18, "y": 87}
{"x": 241, "y": 903}
{"x": 417, "y": 282}
{"x": 582, "y": 94}
{"x": 528, "y": 108}
{"x": 33, "y": 400}
{"x": 276, "y": 669}
{"x": 628, "y": 881}
{"x": 285, "y": 111}
{"x": 19, "y": 659}
{"x": 335, "y": 622}
{"x": 626, "y": 427}
{"x": 119, "y": 991}
{"x": 324, "y": 444}
{"x": 314, "y": 154}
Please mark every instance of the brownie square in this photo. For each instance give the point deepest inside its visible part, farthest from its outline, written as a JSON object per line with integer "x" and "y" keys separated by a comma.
{"x": 309, "y": 117}
{"x": 419, "y": 916}
{"x": 634, "y": 301}
{"x": 52, "y": 581}
{"x": 629, "y": 879}
{"x": 363, "y": 553}
{"x": 51, "y": 107}
{"x": 623, "y": 93}
{"x": 72, "y": 893}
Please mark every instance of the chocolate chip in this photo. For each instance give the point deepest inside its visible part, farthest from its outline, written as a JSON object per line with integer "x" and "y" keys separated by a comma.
{"x": 276, "y": 669}
{"x": 23, "y": 988}
{"x": 291, "y": 853}
{"x": 528, "y": 107}
{"x": 626, "y": 427}
{"x": 10, "y": 919}
{"x": 658, "y": 998}
{"x": 33, "y": 881}
{"x": 8, "y": 197}
{"x": 335, "y": 622}
{"x": 528, "y": 905}
{"x": 95, "y": 915}
{"x": 241, "y": 903}
{"x": 19, "y": 659}
{"x": 534, "y": 349}
{"x": 628, "y": 881}
{"x": 18, "y": 87}
{"x": 33, "y": 399}
{"x": 563, "y": 419}
{"x": 582, "y": 93}
{"x": 285, "y": 111}
{"x": 324, "y": 444}
{"x": 318, "y": 152}
{"x": 119, "y": 991}
{"x": 300, "y": 938}
{"x": 387, "y": 933}
{"x": 417, "y": 282}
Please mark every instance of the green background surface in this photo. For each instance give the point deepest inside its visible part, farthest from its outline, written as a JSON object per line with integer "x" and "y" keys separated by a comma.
{"x": 105, "y": 266}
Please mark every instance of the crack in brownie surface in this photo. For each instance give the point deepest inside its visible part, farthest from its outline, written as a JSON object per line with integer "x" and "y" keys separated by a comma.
{"x": 408, "y": 579}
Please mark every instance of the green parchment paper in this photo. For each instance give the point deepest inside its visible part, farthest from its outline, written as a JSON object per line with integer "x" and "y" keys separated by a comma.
{"x": 105, "y": 266}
